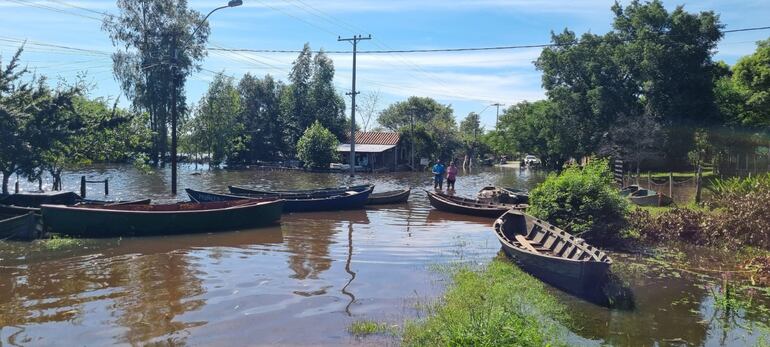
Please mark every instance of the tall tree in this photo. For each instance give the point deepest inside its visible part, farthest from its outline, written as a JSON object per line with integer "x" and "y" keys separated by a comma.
{"x": 296, "y": 103}
{"x": 260, "y": 116}
{"x": 751, "y": 76}
{"x": 155, "y": 45}
{"x": 328, "y": 106}
{"x": 470, "y": 133}
{"x": 217, "y": 118}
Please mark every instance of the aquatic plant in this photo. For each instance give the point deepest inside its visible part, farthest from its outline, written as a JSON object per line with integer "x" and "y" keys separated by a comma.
{"x": 363, "y": 328}
{"x": 57, "y": 243}
{"x": 499, "y": 305}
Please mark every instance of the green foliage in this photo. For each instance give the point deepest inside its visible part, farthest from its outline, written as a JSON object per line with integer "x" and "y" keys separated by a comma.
{"x": 317, "y": 147}
{"x": 499, "y": 306}
{"x": 362, "y": 328}
{"x": 751, "y": 77}
{"x": 146, "y": 33}
{"x": 724, "y": 190}
{"x": 651, "y": 74}
{"x": 435, "y": 130}
{"x": 581, "y": 201}
{"x": 261, "y": 119}
{"x": 215, "y": 126}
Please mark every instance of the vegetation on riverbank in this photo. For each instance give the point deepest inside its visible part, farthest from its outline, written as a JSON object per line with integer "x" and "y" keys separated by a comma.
{"x": 498, "y": 305}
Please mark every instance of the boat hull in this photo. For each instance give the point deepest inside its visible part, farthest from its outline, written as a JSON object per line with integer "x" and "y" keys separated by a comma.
{"x": 581, "y": 279}
{"x": 552, "y": 255}
{"x": 386, "y": 198}
{"x": 444, "y": 203}
{"x": 298, "y": 194}
{"x": 20, "y": 227}
{"x": 107, "y": 222}
{"x": 338, "y": 202}
{"x": 644, "y": 197}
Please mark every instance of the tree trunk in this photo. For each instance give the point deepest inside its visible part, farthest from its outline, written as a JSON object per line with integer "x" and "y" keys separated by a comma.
{"x": 6, "y": 177}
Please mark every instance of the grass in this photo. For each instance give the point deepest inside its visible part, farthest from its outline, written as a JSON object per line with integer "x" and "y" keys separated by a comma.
{"x": 678, "y": 176}
{"x": 657, "y": 210}
{"x": 498, "y": 305}
{"x": 367, "y": 327}
{"x": 57, "y": 243}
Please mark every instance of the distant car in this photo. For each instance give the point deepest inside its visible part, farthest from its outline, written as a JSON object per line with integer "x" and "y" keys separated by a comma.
{"x": 531, "y": 160}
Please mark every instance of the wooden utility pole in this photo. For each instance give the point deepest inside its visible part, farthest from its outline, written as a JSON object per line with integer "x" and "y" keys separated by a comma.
{"x": 497, "y": 116}
{"x": 352, "y": 94}
{"x": 174, "y": 116}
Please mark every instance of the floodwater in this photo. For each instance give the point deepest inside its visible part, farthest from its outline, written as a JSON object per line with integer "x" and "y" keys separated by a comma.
{"x": 304, "y": 282}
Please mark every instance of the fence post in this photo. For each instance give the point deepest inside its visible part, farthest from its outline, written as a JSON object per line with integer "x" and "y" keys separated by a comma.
{"x": 106, "y": 187}
{"x": 671, "y": 185}
{"x": 83, "y": 187}
{"x": 698, "y": 186}
{"x": 649, "y": 179}
{"x": 16, "y": 187}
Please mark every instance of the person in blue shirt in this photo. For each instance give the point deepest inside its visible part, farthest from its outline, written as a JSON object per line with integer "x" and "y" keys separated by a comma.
{"x": 438, "y": 175}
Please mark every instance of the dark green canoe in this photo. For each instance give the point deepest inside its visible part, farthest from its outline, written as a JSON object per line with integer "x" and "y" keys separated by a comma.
{"x": 144, "y": 220}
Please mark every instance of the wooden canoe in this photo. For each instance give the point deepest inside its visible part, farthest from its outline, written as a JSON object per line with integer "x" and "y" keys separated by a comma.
{"x": 18, "y": 223}
{"x": 628, "y": 190}
{"x": 37, "y": 199}
{"x": 391, "y": 197}
{"x": 143, "y": 220}
{"x": 471, "y": 207}
{"x": 303, "y": 193}
{"x": 647, "y": 197}
{"x": 556, "y": 257}
{"x": 503, "y": 195}
{"x": 342, "y": 201}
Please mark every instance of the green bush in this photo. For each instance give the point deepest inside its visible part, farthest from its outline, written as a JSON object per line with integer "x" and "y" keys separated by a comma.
{"x": 317, "y": 147}
{"x": 581, "y": 201}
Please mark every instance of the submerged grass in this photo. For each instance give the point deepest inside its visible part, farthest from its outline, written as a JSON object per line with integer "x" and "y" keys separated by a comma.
{"x": 367, "y": 327}
{"x": 498, "y": 305}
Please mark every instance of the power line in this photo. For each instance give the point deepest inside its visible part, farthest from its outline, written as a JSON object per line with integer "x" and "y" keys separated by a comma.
{"x": 457, "y": 49}
{"x": 54, "y": 9}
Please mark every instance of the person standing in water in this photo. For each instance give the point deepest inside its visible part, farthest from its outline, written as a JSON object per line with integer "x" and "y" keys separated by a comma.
{"x": 438, "y": 175}
{"x": 451, "y": 176}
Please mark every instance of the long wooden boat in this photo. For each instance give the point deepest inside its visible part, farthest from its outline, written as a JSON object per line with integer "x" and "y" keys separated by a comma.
{"x": 471, "y": 207}
{"x": 342, "y": 201}
{"x": 19, "y": 223}
{"x": 390, "y": 197}
{"x": 142, "y": 220}
{"x": 37, "y": 199}
{"x": 302, "y": 193}
{"x": 556, "y": 257}
{"x": 648, "y": 197}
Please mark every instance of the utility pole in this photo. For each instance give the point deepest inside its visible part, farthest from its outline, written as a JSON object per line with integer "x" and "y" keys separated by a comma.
{"x": 411, "y": 135}
{"x": 497, "y": 116}
{"x": 352, "y": 94}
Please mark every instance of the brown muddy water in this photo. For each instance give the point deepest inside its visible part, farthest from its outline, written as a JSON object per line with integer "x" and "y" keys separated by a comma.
{"x": 304, "y": 282}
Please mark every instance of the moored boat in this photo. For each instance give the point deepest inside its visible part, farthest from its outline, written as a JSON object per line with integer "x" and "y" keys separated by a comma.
{"x": 503, "y": 195}
{"x": 37, "y": 199}
{"x": 648, "y": 197}
{"x": 141, "y": 220}
{"x": 296, "y": 203}
{"x": 549, "y": 253}
{"x": 19, "y": 223}
{"x": 628, "y": 190}
{"x": 390, "y": 197}
{"x": 471, "y": 207}
{"x": 301, "y": 193}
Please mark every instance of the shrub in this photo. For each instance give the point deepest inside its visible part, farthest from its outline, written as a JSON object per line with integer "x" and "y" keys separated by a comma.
{"x": 581, "y": 201}
{"x": 725, "y": 190}
{"x": 675, "y": 224}
{"x": 317, "y": 147}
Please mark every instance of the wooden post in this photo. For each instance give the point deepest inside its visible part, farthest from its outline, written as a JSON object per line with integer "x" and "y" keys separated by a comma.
{"x": 16, "y": 187}
{"x": 671, "y": 185}
{"x": 83, "y": 186}
{"x": 698, "y": 186}
{"x": 106, "y": 187}
{"x": 649, "y": 179}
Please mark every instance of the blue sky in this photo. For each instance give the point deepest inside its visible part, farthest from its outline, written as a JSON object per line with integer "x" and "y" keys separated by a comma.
{"x": 469, "y": 81}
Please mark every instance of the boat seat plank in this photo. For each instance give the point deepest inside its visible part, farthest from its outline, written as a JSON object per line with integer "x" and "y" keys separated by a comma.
{"x": 525, "y": 243}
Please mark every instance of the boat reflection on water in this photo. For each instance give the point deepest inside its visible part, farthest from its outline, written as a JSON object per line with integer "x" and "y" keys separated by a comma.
{"x": 437, "y": 217}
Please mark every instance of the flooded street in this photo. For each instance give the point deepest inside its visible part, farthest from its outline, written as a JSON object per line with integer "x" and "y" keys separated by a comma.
{"x": 306, "y": 281}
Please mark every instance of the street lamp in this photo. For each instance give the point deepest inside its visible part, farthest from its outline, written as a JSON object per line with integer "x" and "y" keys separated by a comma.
{"x": 174, "y": 112}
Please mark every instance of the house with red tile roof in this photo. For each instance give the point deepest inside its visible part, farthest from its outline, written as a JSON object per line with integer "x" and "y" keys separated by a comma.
{"x": 376, "y": 151}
